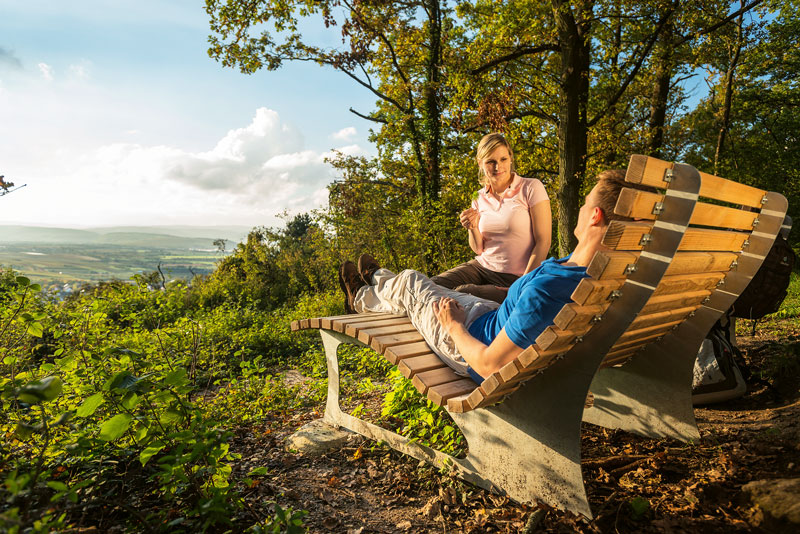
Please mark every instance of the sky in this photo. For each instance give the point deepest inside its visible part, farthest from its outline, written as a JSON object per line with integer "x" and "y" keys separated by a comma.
{"x": 112, "y": 113}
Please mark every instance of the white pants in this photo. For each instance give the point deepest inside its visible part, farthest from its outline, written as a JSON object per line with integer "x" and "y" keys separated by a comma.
{"x": 413, "y": 293}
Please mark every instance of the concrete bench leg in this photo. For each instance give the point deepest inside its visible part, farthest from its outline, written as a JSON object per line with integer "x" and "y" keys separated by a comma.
{"x": 528, "y": 447}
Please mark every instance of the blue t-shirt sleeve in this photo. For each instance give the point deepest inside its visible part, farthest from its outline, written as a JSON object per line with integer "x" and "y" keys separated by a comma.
{"x": 538, "y": 305}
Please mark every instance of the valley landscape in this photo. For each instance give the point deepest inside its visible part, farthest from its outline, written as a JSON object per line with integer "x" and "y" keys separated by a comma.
{"x": 54, "y": 257}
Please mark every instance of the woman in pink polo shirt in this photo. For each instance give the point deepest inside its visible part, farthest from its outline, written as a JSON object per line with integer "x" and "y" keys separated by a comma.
{"x": 509, "y": 226}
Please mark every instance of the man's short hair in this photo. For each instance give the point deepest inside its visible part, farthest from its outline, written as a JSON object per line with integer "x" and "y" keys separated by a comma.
{"x": 609, "y": 184}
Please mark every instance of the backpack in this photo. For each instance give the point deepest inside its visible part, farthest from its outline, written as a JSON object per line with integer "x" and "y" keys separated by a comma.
{"x": 716, "y": 377}
{"x": 766, "y": 291}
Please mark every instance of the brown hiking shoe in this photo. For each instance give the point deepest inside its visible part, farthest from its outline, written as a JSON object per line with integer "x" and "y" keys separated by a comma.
{"x": 350, "y": 282}
{"x": 367, "y": 265}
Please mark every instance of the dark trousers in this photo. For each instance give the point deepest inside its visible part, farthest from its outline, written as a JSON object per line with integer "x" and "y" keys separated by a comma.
{"x": 475, "y": 279}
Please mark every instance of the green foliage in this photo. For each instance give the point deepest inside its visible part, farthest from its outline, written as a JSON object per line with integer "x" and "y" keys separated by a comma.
{"x": 421, "y": 419}
{"x": 141, "y": 383}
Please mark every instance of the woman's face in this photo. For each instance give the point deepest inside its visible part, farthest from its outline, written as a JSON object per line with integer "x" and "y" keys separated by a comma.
{"x": 497, "y": 166}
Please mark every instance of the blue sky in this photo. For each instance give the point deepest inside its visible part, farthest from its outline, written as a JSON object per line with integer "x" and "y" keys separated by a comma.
{"x": 113, "y": 113}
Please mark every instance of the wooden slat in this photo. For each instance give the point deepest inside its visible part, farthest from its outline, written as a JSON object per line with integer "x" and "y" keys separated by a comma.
{"x": 458, "y": 404}
{"x": 686, "y": 283}
{"x": 397, "y": 353}
{"x": 635, "y": 343}
{"x": 638, "y": 204}
{"x": 338, "y": 323}
{"x": 554, "y": 338}
{"x": 663, "y": 328}
{"x": 612, "y": 264}
{"x": 592, "y": 292}
{"x": 650, "y": 171}
{"x": 729, "y": 191}
{"x": 627, "y": 235}
{"x": 418, "y": 364}
{"x": 380, "y": 343}
{"x": 352, "y": 329}
{"x": 574, "y": 316}
{"x": 366, "y": 335}
{"x": 428, "y": 379}
{"x": 441, "y": 394}
{"x": 618, "y": 359}
{"x": 674, "y": 301}
{"x": 701, "y": 262}
{"x": 479, "y": 398}
{"x": 666, "y": 316}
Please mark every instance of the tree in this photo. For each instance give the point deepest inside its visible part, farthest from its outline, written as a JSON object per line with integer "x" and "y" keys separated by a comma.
{"x": 393, "y": 49}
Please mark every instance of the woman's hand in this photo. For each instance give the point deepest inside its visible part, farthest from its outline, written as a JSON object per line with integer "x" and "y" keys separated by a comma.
{"x": 469, "y": 218}
{"x": 449, "y": 312}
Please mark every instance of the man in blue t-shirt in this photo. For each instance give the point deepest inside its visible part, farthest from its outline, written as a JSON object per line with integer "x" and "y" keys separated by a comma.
{"x": 473, "y": 335}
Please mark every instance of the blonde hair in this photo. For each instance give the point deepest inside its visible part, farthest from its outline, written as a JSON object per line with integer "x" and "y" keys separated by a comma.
{"x": 487, "y": 145}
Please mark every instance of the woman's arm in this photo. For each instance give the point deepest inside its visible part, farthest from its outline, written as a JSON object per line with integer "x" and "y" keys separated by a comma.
{"x": 469, "y": 219}
{"x": 541, "y": 224}
{"x": 484, "y": 359}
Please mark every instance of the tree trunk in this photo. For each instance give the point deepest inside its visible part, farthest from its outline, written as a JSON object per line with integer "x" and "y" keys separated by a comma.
{"x": 660, "y": 96}
{"x": 431, "y": 97}
{"x": 728, "y": 95}
{"x": 572, "y": 125}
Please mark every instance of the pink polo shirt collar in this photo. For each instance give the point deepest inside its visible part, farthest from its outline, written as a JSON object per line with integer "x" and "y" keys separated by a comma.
{"x": 511, "y": 191}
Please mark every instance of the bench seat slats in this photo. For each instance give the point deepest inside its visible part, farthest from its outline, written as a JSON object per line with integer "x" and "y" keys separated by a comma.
{"x": 592, "y": 292}
{"x": 650, "y": 171}
{"x": 366, "y": 335}
{"x": 397, "y": 353}
{"x": 427, "y": 379}
{"x": 381, "y": 343}
{"x": 352, "y": 329}
{"x": 622, "y": 235}
{"x": 442, "y": 393}
{"x": 639, "y": 204}
{"x": 606, "y": 265}
{"x": 417, "y": 364}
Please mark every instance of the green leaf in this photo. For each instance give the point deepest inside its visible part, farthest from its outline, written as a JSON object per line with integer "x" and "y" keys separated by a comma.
{"x": 23, "y": 281}
{"x": 24, "y": 431}
{"x": 258, "y": 471}
{"x": 130, "y": 400}
{"x": 56, "y": 485}
{"x": 38, "y": 391}
{"x": 115, "y": 427}
{"x": 148, "y": 453}
{"x": 176, "y": 378}
{"x": 171, "y": 416}
{"x": 35, "y": 329}
{"x": 61, "y": 419}
{"x": 121, "y": 380}
{"x": 90, "y": 405}
{"x": 36, "y": 287}
{"x": 639, "y": 507}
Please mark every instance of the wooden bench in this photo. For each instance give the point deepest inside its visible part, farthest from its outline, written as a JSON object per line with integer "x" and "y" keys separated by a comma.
{"x": 630, "y": 336}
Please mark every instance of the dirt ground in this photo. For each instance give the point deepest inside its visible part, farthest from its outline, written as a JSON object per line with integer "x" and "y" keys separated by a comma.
{"x": 634, "y": 484}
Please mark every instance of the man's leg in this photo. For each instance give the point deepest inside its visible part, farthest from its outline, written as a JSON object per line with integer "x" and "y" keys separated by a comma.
{"x": 414, "y": 293}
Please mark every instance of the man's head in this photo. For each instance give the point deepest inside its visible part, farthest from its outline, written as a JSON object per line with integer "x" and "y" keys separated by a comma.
{"x": 598, "y": 208}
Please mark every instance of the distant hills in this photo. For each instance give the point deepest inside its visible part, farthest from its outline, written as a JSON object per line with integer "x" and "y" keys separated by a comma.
{"x": 173, "y": 237}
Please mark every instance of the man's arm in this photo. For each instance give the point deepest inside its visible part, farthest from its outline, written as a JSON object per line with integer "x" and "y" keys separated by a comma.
{"x": 484, "y": 359}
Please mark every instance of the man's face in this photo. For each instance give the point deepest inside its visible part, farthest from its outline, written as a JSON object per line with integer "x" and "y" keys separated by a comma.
{"x": 585, "y": 213}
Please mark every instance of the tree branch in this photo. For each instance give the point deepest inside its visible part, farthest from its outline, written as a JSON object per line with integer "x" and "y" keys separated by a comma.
{"x": 367, "y": 117}
{"x": 519, "y": 52}
{"x": 635, "y": 70}
{"x": 713, "y": 27}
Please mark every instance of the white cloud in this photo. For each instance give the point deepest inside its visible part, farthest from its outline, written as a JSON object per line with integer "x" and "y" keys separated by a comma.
{"x": 80, "y": 70}
{"x": 250, "y": 176}
{"x": 345, "y": 134}
{"x": 47, "y": 71}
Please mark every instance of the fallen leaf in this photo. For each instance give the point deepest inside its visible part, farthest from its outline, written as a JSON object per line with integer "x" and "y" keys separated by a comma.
{"x": 404, "y": 525}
